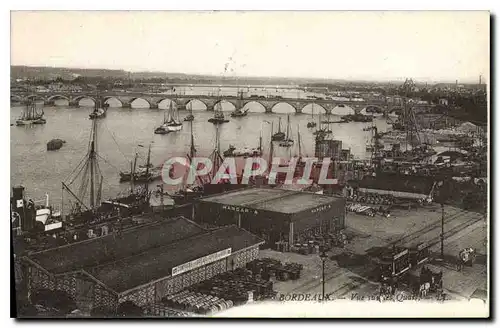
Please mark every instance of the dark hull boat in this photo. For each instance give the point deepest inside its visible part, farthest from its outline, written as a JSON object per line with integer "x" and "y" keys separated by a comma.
{"x": 356, "y": 118}
{"x": 216, "y": 120}
{"x": 189, "y": 118}
{"x": 239, "y": 113}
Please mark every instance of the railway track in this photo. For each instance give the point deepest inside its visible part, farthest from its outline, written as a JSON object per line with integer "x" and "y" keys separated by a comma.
{"x": 408, "y": 239}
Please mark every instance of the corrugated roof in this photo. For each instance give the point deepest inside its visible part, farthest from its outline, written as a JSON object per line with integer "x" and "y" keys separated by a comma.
{"x": 243, "y": 196}
{"x": 157, "y": 263}
{"x": 294, "y": 203}
{"x": 276, "y": 200}
{"x": 101, "y": 250}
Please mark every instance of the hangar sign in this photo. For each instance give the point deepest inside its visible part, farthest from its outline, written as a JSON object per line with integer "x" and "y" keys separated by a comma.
{"x": 201, "y": 261}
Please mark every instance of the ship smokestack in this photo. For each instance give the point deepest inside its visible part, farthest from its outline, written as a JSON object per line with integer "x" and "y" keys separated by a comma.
{"x": 26, "y": 210}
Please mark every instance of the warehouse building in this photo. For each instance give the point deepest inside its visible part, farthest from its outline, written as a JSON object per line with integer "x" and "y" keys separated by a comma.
{"x": 142, "y": 265}
{"x": 407, "y": 187}
{"x": 274, "y": 214}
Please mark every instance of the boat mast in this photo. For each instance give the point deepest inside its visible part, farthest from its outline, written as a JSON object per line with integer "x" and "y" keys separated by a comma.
{"x": 132, "y": 173}
{"x": 279, "y": 125}
{"x": 271, "y": 148}
{"x": 288, "y": 128}
{"x": 147, "y": 169}
{"x": 260, "y": 139}
{"x": 170, "y": 116}
{"x": 298, "y": 135}
{"x": 92, "y": 158}
{"x": 192, "y": 149}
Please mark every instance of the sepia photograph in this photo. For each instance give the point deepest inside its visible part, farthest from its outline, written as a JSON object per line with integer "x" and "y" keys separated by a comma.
{"x": 168, "y": 164}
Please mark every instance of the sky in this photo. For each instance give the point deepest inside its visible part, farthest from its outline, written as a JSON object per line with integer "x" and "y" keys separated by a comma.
{"x": 425, "y": 46}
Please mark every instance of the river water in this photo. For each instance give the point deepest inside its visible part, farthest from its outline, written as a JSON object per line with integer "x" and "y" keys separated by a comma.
{"x": 123, "y": 130}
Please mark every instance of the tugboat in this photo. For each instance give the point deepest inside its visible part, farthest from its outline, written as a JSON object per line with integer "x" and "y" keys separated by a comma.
{"x": 218, "y": 116}
{"x": 278, "y": 136}
{"x": 31, "y": 115}
{"x": 239, "y": 112}
{"x": 190, "y": 117}
{"x": 99, "y": 111}
{"x": 312, "y": 124}
{"x": 287, "y": 142}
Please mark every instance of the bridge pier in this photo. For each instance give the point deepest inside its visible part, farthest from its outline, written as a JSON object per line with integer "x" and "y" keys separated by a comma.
{"x": 126, "y": 105}
{"x": 153, "y": 106}
{"x": 49, "y": 103}
{"x": 74, "y": 104}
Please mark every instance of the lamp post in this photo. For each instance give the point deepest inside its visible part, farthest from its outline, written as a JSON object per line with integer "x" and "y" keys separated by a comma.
{"x": 323, "y": 256}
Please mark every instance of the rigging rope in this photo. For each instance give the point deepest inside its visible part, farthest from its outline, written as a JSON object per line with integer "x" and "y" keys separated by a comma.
{"x": 117, "y": 145}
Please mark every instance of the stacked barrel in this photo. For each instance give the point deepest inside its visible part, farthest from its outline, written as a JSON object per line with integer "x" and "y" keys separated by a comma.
{"x": 199, "y": 303}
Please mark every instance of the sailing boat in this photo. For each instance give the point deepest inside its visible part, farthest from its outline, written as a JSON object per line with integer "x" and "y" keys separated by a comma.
{"x": 239, "y": 112}
{"x": 323, "y": 131}
{"x": 190, "y": 117}
{"x": 218, "y": 115}
{"x": 145, "y": 173}
{"x": 137, "y": 201}
{"x": 287, "y": 142}
{"x": 312, "y": 124}
{"x": 187, "y": 194}
{"x": 173, "y": 123}
{"x": 163, "y": 129}
{"x": 232, "y": 151}
{"x": 278, "y": 136}
{"x": 99, "y": 111}
{"x": 83, "y": 212}
{"x": 31, "y": 116}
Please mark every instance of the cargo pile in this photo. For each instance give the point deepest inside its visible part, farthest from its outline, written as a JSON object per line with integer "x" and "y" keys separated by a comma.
{"x": 267, "y": 268}
{"x": 372, "y": 199}
{"x": 199, "y": 303}
{"x": 362, "y": 209}
{"x": 238, "y": 286}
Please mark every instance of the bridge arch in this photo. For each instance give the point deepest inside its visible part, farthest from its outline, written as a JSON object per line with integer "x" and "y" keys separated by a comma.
{"x": 139, "y": 98}
{"x": 196, "y": 104}
{"x": 261, "y": 109}
{"x": 395, "y": 112}
{"x": 308, "y": 109}
{"x": 280, "y": 108}
{"x": 56, "y": 97}
{"x": 16, "y": 98}
{"x": 107, "y": 99}
{"x": 34, "y": 97}
{"x": 343, "y": 110}
{"x": 372, "y": 110}
{"x": 224, "y": 101}
{"x": 77, "y": 99}
{"x": 174, "y": 103}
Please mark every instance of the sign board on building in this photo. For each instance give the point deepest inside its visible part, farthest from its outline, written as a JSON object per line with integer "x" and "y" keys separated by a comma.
{"x": 201, "y": 261}
{"x": 321, "y": 208}
{"x": 239, "y": 209}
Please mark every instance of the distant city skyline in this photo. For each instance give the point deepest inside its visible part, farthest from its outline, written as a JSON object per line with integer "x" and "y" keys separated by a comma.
{"x": 361, "y": 46}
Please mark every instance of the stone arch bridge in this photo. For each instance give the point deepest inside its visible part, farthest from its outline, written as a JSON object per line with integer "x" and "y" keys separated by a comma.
{"x": 153, "y": 99}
